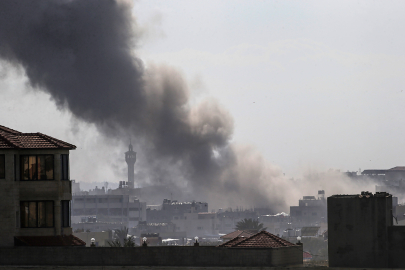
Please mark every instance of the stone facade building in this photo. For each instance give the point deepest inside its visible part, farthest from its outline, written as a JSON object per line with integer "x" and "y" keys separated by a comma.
{"x": 35, "y": 190}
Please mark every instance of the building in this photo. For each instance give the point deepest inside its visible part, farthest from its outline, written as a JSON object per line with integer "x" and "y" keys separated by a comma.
{"x": 200, "y": 224}
{"x": 130, "y": 158}
{"x": 35, "y": 190}
{"x": 228, "y": 219}
{"x": 311, "y": 211}
{"x": 276, "y": 224}
{"x": 173, "y": 210}
{"x": 284, "y": 252}
{"x": 361, "y": 232}
{"x": 237, "y": 233}
{"x": 112, "y": 209}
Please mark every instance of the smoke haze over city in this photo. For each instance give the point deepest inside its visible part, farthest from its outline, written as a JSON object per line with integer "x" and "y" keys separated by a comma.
{"x": 81, "y": 62}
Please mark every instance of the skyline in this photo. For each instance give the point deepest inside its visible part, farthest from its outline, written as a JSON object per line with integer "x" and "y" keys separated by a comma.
{"x": 311, "y": 86}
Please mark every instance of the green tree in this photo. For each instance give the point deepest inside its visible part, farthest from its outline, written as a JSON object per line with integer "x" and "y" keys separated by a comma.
{"x": 248, "y": 224}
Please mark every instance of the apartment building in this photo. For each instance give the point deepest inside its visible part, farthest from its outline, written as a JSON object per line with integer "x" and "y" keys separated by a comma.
{"x": 122, "y": 209}
{"x": 35, "y": 190}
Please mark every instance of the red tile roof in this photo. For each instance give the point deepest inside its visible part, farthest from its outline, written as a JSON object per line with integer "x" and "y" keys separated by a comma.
{"x": 233, "y": 241}
{"x": 306, "y": 255}
{"x": 58, "y": 240}
{"x": 12, "y": 139}
{"x": 261, "y": 239}
{"x": 237, "y": 233}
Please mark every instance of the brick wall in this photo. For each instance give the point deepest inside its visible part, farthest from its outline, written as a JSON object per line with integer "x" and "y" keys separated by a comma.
{"x": 150, "y": 256}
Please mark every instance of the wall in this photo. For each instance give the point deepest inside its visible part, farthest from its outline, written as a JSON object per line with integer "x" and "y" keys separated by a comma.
{"x": 100, "y": 237}
{"x": 396, "y": 246}
{"x": 358, "y": 230}
{"x": 151, "y": 256}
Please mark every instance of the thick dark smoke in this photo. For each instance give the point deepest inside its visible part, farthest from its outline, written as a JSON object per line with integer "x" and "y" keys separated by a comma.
{"x": 82, "y": 53}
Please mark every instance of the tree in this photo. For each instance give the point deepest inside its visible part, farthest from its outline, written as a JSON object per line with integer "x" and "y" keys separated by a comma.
{"x": 248, "y": 224}
{"x": 122, "y": 239}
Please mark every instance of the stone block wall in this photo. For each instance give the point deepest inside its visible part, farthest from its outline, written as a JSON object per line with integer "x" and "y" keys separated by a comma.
{"x": 151, "y": 256}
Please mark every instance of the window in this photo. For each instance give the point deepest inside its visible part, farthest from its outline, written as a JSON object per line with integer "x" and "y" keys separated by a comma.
{"x": 65, "y": 166}
{"x": 65, "y": 213}
{"x": 2, "y": 166}
{"x": 39, "y": 167}
{"x": 37, "y": 214}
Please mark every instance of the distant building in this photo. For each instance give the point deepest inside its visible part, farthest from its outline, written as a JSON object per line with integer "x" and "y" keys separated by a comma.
{"x": 277, "y": 224}
{"x": 35, "y": 190}
{"x": 201, "y": 224}
{"x": 173, "y": 210}
{"x": 311, "y": 211}
{"x": 123, "y": 209}
{"x": 361, "y": 232}
{"x": 228, "y": 219}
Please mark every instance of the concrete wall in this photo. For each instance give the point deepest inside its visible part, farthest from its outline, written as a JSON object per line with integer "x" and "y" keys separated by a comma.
{"x": 358, "y": 230}
{"x": 396, "y": 246}
{"x": 151, "y": 256}
{"x": 101, "y": 238}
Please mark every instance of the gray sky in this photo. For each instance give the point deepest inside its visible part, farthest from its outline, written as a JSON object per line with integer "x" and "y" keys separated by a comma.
{"x": 311, "y": 85}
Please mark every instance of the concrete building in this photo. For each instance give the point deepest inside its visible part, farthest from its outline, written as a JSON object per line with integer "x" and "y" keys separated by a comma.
{"x": 201, "y": 224}
{"x": 311, "y": 211}
{"x": 123, "y": 209}
{"x": 35, "y": 190}
{"x": 173, "y": 210}
{"x": 361, "y": 232}
{"x": 276, "y": 224}
{"x": 228, "y": 219}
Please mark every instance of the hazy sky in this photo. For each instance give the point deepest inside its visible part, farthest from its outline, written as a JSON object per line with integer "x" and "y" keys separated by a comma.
{"x": 311, "y": 84}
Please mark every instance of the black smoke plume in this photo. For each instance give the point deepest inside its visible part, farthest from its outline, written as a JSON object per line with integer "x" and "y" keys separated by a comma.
{"x": 82, "y": 53}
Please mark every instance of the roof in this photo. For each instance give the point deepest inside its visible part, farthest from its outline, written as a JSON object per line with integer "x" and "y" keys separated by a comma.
{"x": 13, "y": 139}
{"x": 397, "y": 168}
{"x": 364, "y": 194}
{"x": 261, "y": 239}
{"x": 233, "y": 241}
{"x": 309, "y": 231}
{"x": 306, "y": 255}
{"x": 237, "y": 233}
{"x": 58, "y": 240}
{"x": 374, "y": 171}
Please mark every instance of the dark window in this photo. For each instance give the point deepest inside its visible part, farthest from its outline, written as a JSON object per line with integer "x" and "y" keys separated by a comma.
{"x": 65, "y": 166}
{"x": 39, "y": 167}
{"x": 2, "y": 166}
{"x": 65, "y": 213}
{"x": 37, "y": 214}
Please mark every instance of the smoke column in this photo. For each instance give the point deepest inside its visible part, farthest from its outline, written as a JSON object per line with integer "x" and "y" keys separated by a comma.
{"x": 82, "y": 53}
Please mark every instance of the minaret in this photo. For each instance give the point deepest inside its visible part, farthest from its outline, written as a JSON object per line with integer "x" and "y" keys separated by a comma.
{"x": 130, "y": 158}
